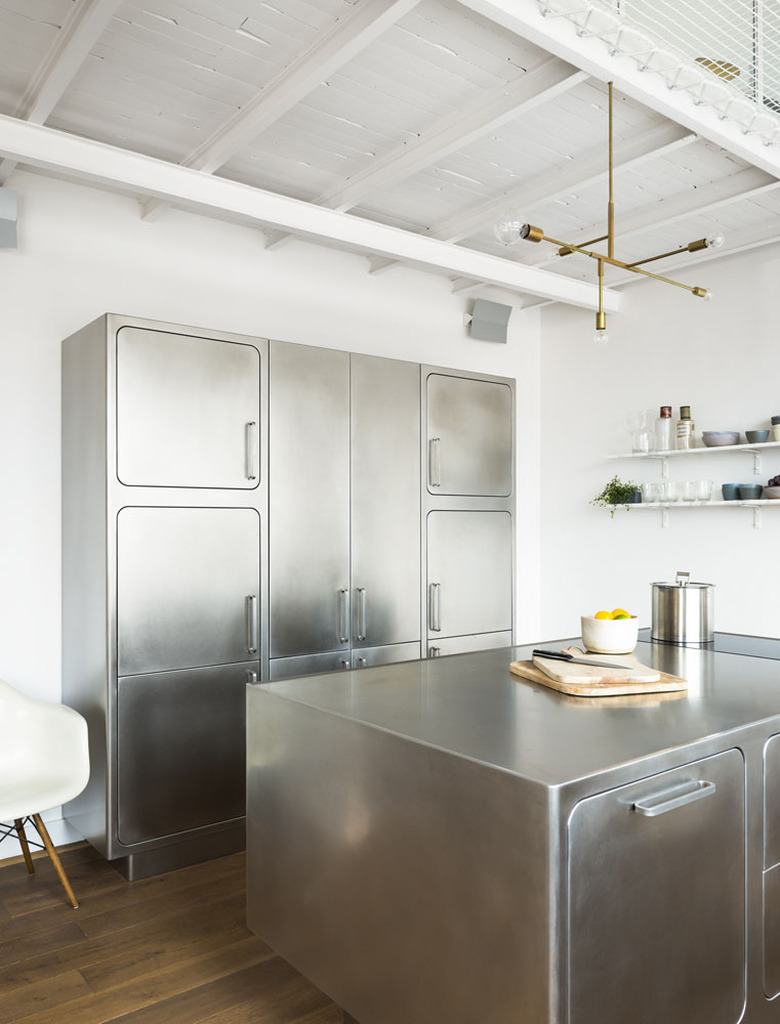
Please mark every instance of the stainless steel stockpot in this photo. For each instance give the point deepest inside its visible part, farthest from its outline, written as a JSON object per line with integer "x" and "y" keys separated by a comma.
{"x": 683, "y": 611}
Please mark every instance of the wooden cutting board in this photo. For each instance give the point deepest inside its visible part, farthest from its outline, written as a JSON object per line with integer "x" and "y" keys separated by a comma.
{"x": 587, "y": 681}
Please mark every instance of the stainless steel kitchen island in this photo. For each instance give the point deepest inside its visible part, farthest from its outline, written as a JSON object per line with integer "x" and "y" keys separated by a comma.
{"x": 438, "y": 841}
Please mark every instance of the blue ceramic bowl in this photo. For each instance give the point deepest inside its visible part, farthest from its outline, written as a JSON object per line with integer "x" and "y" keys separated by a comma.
{"x": 750, "y": 491}
{"x": 757, "y": 436}
{"x": 730, "y": 492}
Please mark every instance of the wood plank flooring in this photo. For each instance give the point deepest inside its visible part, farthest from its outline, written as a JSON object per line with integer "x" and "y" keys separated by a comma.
{"x": 172, "y": 949}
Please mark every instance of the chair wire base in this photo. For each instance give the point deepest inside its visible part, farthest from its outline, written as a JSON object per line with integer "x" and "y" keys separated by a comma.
{"x": 46, "y": 844}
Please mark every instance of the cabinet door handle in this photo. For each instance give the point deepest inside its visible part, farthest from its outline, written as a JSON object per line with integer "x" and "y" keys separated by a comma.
{"x": 252, "y": 677}
{"x": 345, "y": 663}
{"x": 434, "y": 461}
{"x": 251, "y": 450}
{"x": 361, "y": 613}
{"x": 667, "y": 800}
{"x": 361, "y": 662}
{"x": 251, "y": 623}
{"x": 434, "y": 652}
{"x": 434, "y": 607}
{"x": 343, "y": 616}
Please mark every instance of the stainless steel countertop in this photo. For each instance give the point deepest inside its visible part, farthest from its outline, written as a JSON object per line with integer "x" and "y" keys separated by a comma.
{"x": 471, "y": 705}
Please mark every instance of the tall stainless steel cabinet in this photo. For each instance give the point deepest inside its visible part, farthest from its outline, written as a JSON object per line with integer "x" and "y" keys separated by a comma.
{"x": 344, "y": 510}
{"x": 164, "y": 474}
{"x": 468, "y": 487}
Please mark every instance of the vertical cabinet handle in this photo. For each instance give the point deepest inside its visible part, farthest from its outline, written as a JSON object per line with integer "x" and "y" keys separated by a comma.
{"x": 252, "y": 677}
{"x": 434, "y": 652}
{"x": 251, "y": 452}
{"x": 343, "y": 616}
{"x": 434, "y": 461}
{"x": 345, "y": 663}
{"x": 251, "y": 623}
{"x": 361, "y": 662}
{"x": 361, "y": 614}
{"x": 434, "y": 607}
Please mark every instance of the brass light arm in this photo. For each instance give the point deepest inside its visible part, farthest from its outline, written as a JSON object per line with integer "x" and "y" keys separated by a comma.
{"x": 567, "y": 250}
{"x": 701, "y": 292}
{"x": 697, "y": 246}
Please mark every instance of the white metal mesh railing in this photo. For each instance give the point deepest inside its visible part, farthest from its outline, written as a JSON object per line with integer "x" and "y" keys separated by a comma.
{"x": 725, "y": 53}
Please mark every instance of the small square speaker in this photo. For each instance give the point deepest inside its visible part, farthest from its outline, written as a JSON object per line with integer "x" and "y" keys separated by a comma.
{"x": 489, "y": 321}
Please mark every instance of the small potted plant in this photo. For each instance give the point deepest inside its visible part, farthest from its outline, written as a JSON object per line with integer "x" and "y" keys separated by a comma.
{"x": 617, "y": 492}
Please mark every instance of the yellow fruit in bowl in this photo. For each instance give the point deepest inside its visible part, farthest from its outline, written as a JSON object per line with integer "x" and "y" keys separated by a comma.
{"x": 620, "y": 613}
{"x": 602, "y": 615}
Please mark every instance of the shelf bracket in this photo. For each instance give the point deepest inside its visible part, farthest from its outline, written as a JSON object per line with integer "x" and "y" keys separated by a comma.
{"x": 664, "y": 464}
{"x": 664, "y": 518}
{"x": 756, "y": 517}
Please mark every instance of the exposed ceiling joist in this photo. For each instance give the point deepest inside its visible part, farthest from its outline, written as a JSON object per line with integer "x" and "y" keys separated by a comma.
{"x": 582, "y": 172}
{"x": 349, "y": 35}
{"x": 560, "y": 37}
{"x": 506, "y": 103}
{"x": 72, "y": 45}
{"x": 96, "y": 163}
{"x": 745, "y": 184}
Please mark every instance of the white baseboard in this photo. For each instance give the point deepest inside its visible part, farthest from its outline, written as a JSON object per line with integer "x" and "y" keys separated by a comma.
{"x": 61, "y": 832}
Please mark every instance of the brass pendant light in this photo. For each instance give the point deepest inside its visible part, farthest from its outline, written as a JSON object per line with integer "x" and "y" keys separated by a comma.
{"x": 509, "y": 231}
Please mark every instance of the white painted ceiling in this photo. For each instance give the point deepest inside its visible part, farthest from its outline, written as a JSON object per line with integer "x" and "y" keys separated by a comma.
{"x": 426, "y": 117}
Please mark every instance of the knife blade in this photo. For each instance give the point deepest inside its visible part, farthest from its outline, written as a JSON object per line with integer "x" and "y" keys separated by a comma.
{"x": 561, "y": 656}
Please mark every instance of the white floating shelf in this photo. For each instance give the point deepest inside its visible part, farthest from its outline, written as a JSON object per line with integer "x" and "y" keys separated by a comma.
{"x": 756, "y": 504}
{"x": 673, "y": 453}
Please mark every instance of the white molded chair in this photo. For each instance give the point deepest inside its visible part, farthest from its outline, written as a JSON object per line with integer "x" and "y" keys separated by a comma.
{"x": 44, "y": 761}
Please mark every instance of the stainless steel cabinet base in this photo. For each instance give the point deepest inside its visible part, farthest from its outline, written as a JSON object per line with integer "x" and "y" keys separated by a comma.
{"x": 191, "y": 850}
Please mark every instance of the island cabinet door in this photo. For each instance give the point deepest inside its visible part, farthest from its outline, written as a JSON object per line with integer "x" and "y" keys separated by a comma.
{"x": 656, "y": 908}
{"x": 188, "y": 410}
{"x": 469, "y": 573}
{"x": 469, "y": 436}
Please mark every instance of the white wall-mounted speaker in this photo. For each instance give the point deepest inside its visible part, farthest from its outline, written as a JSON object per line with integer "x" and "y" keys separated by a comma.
{"x": 489, "y": 321}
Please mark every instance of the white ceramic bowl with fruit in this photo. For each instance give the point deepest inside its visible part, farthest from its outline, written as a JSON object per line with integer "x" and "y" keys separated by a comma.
{"x": 614, "y": 632}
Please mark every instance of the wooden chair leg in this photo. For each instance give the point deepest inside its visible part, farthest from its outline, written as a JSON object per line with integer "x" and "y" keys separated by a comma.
{"x": 19, "y": 826}
{"x": 37, "y": 821}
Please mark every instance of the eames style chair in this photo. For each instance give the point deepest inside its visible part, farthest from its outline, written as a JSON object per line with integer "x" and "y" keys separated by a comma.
{"x": 44, "y": 761}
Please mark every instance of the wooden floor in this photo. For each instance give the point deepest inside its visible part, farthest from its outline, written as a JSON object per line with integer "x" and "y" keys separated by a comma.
{"x": 172, "y": 949}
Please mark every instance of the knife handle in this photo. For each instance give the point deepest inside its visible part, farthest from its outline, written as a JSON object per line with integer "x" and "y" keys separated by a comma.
{"x": 559, "y": 655}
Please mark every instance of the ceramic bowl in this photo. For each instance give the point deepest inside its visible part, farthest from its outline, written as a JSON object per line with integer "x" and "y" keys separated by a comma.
{"x": 757, "y": 436}
{"x": 609, "y": 636}
{"x": 715, "y": 438}
{"x": 750, "y": 491}
{"x": 775, "y": 420}
{"x": 730, "y": 492}
{"x": 771, "y": 492}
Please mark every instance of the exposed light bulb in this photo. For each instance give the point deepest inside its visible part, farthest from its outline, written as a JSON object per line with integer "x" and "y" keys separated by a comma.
{"x": 600, "y": 336}
{"x": 715, "y": 241}
{"x": 707, "y": 295}
{"x": 508, "y": 229}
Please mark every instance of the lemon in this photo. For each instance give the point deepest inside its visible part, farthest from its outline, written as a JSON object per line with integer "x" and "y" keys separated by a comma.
{"x": 620, "y": 613}
{"x": 602, "y": 615}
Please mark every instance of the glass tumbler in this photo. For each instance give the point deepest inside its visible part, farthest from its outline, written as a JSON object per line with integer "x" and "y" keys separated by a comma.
{"x": 703, "y": 490}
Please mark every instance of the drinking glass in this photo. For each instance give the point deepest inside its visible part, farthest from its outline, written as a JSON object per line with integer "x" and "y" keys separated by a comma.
{"x": 703, "y": 490}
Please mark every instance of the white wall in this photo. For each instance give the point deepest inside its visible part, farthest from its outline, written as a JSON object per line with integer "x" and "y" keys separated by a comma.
{"x": 668, "y": 348}
{"x": 83, "y": 252}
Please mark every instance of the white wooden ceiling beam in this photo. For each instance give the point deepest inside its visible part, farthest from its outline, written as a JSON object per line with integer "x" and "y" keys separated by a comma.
{"x": 586, "y": 170}
{"x": 560, "y": 37}
{"x": 349, "y": 36}
{"x": 505, "y": 103}
{"x": 99, "y": 164}
{"x": 87, "y": 21}
{"x": 745, "y": 184}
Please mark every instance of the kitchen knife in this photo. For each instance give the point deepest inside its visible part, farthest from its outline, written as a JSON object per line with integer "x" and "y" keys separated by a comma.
{"x": 561, "y": 656}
